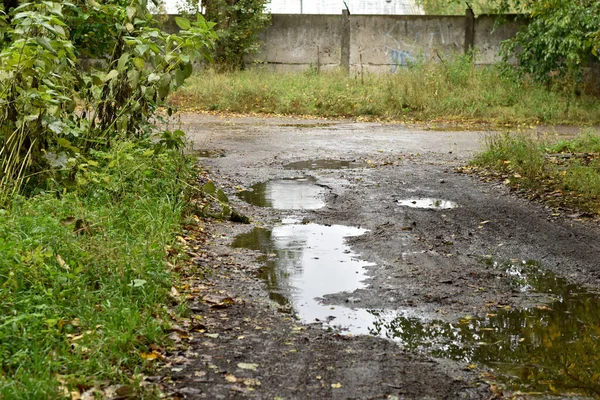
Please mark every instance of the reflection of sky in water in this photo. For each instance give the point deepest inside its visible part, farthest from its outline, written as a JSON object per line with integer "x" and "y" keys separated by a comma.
{"x": 434, "y": 204}
{"x": 311, "y": 261}
{"x": 530, "y": 348}
{"x": 286, "y": 194}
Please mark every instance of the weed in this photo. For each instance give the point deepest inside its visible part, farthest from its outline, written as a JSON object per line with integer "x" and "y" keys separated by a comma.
{"x": 450, "y": 90}
{"x": 563, "y": 173}
{"x": 83, "y": 281}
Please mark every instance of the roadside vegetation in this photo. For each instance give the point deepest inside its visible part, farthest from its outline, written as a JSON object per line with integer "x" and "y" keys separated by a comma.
{"x": 564, "y": 174}
{"x": 84, "y": 282}
{"x": 237, "y": 26}
{"x": 453, "y": 91}
{"x": 92, "y": 195}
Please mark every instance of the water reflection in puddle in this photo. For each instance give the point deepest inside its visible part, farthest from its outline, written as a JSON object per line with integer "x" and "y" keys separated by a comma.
{"x": 324, "y": 164}
{"x": 550, "y": 348}
{"x": 547, "y": 348}
{"x": 286, "y": 194}
{"x": 429, "y": 203}
{"x": 306, "y": 262}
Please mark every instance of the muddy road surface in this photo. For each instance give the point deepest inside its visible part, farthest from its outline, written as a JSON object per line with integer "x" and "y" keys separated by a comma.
{"x": 373, "y": 270}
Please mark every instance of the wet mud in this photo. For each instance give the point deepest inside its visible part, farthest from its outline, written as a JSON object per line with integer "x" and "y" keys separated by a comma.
{"x": 325, "y": 164}
{"x": 411, "y": 280}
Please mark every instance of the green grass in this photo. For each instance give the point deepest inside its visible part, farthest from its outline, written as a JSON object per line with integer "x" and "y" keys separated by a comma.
{"x": 564, "y": 173}
{"x": 83, "y": 279}
{"x": 453, "y": 90}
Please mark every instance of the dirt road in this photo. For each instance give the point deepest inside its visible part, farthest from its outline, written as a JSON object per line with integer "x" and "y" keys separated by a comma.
{"x": 373, "y": 270}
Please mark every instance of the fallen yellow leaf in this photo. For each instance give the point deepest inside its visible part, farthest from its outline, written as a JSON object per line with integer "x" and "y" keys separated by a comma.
{"x": 251, "y": 382}
{"x": 148, "y": 356}
{"x": 252, "y": 367}
{"x": 62, "y": 262}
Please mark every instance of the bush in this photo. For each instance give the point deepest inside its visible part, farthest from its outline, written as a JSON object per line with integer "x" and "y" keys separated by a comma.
{"x": 41, "y": 83}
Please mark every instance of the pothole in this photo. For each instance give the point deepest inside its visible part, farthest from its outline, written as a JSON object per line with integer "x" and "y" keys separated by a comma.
{"x": 286, "y": 194}
{"x": 428, "y": 203}
{"x": 324, "y": 164}
{"x": 549, "y": 347}
{"x": 303, "y": 263}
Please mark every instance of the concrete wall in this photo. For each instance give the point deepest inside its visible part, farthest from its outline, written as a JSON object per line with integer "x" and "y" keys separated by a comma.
{"x": 488, "y": 36}
{"x": 295, "y": 42}
{"x": 386, "y": 43}
{"x": 378, "y": 43}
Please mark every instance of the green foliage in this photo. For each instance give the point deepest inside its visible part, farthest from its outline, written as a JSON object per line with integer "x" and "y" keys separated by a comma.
{"x": 93, "y": 31}
{"x": 564, "y": 173}
{"x": 238, "y": 24}
{"x": 587, "y": 142}
{"x": 41, "y": 81}
{"x": 452, "y": 90}
{"x": 83, "y": 280}
{"x": 37, "y": 74}
{"x": 514, "y": 154}
{"x": 561, "y": 38}
{"x": 457, "y": 7}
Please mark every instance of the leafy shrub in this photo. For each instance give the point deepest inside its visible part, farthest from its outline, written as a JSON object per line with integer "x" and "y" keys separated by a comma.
{"x": 238, "y": 24}
{"x": 41, "y": 83}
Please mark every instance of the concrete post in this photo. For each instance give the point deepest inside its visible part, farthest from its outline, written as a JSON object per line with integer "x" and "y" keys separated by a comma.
{"x": 469, "y": 30}
{"x": 345, "y": 33}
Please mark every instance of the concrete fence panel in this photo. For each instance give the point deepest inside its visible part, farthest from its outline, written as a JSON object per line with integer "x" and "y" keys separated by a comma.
{"x": 375, "y": 43}
{"x": 294, "y": 42}
{"x": 489, "y": 35}
{"x": 386, "y": 43}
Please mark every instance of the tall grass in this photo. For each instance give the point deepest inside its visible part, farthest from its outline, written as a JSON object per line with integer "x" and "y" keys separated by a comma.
{"x": 83, "y": 280}
{"x": 564, "y": 173}
{"x": 453, "y": 90}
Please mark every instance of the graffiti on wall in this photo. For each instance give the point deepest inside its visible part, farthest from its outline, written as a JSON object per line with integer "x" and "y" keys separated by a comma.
{"x": 406, "y": 43}
{"x": 400, "y": 58}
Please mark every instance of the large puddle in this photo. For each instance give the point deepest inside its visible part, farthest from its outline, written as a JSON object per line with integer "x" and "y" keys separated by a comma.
{"x": 324, "y": 164}
{"x": 552, "y": 347}
{"x": 304, "y": 262}
{"x": 286, "y": 194}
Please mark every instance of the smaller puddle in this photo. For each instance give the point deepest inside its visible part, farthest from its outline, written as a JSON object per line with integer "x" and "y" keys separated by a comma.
{"x": 206, "y": 153}
{"x": 286, "y": 194}
{"x": 428, "y": 203}
{"x": 306, "y": 125}
{"x": 324, "y": 164}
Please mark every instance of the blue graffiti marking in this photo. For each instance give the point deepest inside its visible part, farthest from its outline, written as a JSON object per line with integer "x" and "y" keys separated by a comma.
{"x": 400, "y": 58}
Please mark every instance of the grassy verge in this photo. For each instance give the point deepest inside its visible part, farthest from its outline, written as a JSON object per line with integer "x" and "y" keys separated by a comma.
{"x": 83, "y": 277}
{"x": 454, "y": 90}
{"x": 563, "y": 174}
